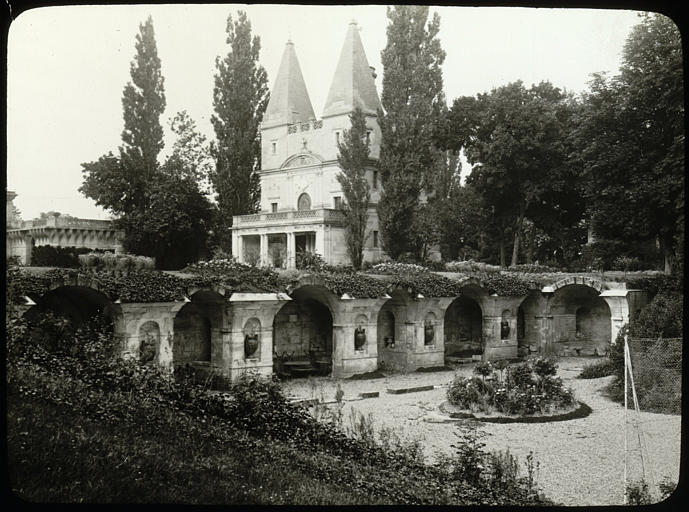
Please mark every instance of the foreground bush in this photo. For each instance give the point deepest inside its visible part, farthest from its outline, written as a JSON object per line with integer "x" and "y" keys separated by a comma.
{"x": 85, "y": 425}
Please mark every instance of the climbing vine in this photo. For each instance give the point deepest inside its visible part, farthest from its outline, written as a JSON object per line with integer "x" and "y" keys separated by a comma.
{"x": 236, "y": 276}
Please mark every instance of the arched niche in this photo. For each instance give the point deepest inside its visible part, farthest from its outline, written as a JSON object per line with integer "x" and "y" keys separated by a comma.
{"x": 192, "y": 335}
{"x": 463, "y": 328}
{"x": 581, "y": 321}
{"x": 429, "y": 328}
{"x": 149, "y": 342}
{"x": 303, "y": 329}
{"x": 252, "y": 338}
{"x": 505, "y": 324}
{"x": 360, "y": 335}
{"x": 386, "y": 329}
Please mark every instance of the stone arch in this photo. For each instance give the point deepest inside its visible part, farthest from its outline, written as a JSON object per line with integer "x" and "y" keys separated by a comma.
{"x": 149, "y": 342}
{"x": 531, "y": 323}
{"x": 304, "y": 201}
{"x": 78, "y": 304}
{"x": 463, "y": 326}
{"x": 303, "y": 329}
{"x": 581, "y": 320}
{"x": 197, "y": 330}
{"x": 505, "y": 324}
{"x": 386, "y": 329}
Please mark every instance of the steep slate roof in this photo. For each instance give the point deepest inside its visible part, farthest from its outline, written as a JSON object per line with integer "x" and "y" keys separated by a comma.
{"x": 289, "y": 101}
{"x": 353, "y": 84}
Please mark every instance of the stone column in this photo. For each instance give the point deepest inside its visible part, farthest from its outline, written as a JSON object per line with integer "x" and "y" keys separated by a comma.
{"x": 136, "y": 314}
{"x": 28, "y": 246}
{"x": 320, "y": 241}
{"x": 494, "y": 346}
{"x": 619, "y": 310}
{"x": 235, "y": 244}
{"x": 264, "y": 250}
{"x": 244, "y": 307}
{"x": 291, "y": 250}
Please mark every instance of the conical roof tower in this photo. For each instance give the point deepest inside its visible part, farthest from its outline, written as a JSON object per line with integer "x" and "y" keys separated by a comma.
{"x": 289, "y": 100}
{"x": 353, "y": 85}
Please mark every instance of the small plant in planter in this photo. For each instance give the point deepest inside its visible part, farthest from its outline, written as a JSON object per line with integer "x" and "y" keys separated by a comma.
{"x": 500, "y": 367}
{"x": 484, "y": 369}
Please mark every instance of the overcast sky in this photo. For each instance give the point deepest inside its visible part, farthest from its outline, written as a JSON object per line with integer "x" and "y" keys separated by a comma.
{"x": 67, "y": 67}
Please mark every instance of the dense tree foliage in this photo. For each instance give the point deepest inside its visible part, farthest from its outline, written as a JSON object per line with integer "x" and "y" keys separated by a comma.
{"x": 412, "y": 99}
{"x": 240, "y": 97}
{"x": 191, "y": 150}
{"x": 354, "y": 162}
{"x": 631, "y": 141}
{"x": 515, "y": 139}
{"x": 160, "y": 208}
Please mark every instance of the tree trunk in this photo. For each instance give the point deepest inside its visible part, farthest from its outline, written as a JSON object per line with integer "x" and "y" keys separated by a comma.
{"x": 502, "y": 252}
{"x": 517, "y": 238}
{"x": 515, "y": 249}
{"x": 666, "y": 247}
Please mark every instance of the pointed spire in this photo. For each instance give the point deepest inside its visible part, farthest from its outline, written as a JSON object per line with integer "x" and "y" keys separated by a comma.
{"x": 353, "y": 84}
{"x": 289, "y": 100}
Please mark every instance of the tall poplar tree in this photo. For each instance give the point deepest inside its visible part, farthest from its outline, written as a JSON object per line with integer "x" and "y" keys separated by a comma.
{"x": 120, "y": 184}
{"x": 412, "y": 99}
{"x": 354, "y": 161}
{"x": 143, "y": 102}
{"x": 240, "y": 98}
{"x": 160, "y": 208}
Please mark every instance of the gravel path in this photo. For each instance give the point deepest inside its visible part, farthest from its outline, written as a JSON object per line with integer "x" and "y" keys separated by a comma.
{"x": 581, "y": 461}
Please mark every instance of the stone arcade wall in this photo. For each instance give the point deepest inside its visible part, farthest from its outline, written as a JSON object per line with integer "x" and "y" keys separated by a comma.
{"x": 215, "y": 331}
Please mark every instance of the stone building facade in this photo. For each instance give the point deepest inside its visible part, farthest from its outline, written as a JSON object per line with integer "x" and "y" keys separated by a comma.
{"x": 300, "y": 194}
{"x": 22, "y": 236}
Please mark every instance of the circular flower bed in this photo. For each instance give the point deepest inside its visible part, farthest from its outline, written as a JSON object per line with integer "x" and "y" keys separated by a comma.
{"x": 523, "y": 389}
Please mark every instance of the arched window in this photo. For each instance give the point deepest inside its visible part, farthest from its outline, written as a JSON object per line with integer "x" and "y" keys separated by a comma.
{"x": 304, "y": 202}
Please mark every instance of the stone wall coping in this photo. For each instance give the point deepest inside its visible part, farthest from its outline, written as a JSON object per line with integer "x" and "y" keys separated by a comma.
{"x": 616, "y": 292}
{"x": 253, "y": 297}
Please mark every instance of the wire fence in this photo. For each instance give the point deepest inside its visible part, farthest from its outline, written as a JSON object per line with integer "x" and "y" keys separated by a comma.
{"x": 653, "y": 384}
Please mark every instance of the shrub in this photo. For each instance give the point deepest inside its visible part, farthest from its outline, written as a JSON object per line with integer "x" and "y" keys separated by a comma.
{"x": 53, "y": 256}
{"x": 309, "y": 261}
{"x": 532, "y": 268}
{"x": 596, "y": 370}
{"x": 471, "y": 266}
{"x": 435, "y": 266}
{"x": 237, "y": 276}
{"x": 661, "y": 318}
{"x": 520, "y": 375}
{"x": 544, "y": 366}
{"x": 13, "y": 261}
{"x": 521, "y": 393}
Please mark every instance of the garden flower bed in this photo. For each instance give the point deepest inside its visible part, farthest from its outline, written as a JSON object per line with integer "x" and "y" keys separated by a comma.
{"x": 528, "y": 389}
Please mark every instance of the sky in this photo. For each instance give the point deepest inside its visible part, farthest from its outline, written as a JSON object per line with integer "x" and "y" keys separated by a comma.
{"x": 68, "y": 65}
